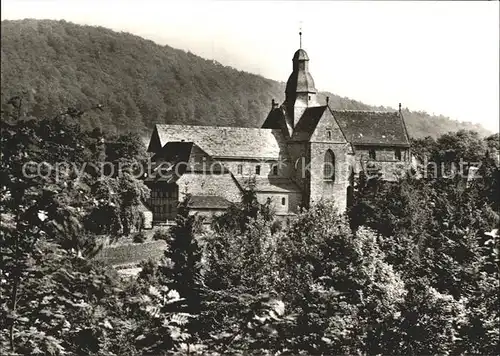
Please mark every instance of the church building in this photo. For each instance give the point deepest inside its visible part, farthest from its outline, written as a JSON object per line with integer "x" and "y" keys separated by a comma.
{"x": 305, "y": 151}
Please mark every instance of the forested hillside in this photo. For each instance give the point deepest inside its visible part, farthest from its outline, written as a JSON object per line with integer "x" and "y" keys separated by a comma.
{"x": 57, "y": 65}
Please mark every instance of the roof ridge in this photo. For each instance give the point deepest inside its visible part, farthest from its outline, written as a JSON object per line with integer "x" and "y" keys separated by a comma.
{"x": 366, "y": 111}
{"x": 208, "y": 195}
{"x": 342, "y": 131}
{"x": 317, "y": 107}
{"x": 214, "y": 126}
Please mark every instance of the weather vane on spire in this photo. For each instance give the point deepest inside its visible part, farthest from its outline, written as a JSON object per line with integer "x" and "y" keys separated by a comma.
{"x": 300, "y": 35}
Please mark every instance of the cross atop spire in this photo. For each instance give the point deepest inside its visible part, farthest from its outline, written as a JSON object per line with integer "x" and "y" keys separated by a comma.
{"x": 300, "y": 35}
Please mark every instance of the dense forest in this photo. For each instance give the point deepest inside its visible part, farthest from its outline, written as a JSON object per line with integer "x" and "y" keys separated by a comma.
{"x": 412, "y": 268}
{"x": 56, "y": 64}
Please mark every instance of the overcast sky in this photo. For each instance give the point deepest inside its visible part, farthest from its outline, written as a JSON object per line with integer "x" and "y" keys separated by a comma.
{"x": 441, "y": 57}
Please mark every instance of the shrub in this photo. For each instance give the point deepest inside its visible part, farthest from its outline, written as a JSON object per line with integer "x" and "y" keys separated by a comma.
{"x": 140, "y": 237}
{"x": 161, "y": 235}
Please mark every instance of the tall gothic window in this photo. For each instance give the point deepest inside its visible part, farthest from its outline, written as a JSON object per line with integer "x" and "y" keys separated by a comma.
{"x": 397, "y": 154}
{"x": 329, "y": 165}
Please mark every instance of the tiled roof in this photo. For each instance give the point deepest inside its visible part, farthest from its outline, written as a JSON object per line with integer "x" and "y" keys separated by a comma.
{"x": 308, "y": 122}
{"x": 300, "y": 55}
{"x": 187, "y": 156}
{"x": 372, "y": 127}
{"x": 207, "y": 202}
{"x": 270, "y": 184}
{"x": 218, "y": 141}
{"x": 174, "y": 152}
{"x": 274, "y": 119}
{"x": 300, "y": 81}
{"x": 163, "y": 175}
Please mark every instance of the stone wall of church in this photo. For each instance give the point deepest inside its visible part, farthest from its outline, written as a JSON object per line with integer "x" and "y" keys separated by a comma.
{"x": 249, "y": 168}
{"x": 321, "y": 188}
{"x": 382, "y": 153}
{"x": 222, "y": 185}
{"x": 298, "y": 163}
{"x": 282, "y": 202}
{"x": 385, "y": 160}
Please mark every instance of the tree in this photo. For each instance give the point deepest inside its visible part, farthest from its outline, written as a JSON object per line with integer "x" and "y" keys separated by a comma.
{"x": 181, "y": 266}
{"x": 38, "y": 200}
{"x": 437, "y": 233}
{"x": 44, "y": 270}
{"x": 338, "y": 283}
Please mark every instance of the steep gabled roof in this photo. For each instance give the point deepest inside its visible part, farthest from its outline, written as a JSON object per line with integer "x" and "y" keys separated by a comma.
{"x": 165, "y": 175}
{"x": 174, "y": 152}
{"x": 308, "y": 122}
{"x": 279, "y": 120}
{"x": 274, "y": 119}
{"x": 186, "y": 157}
{"x": 233, "y": 142}
{"x": 372, "y": 127}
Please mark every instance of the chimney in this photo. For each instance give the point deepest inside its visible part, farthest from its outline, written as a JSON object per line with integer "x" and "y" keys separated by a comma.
{"x": 327, "y": 100}
{"x": 400, "y": 108}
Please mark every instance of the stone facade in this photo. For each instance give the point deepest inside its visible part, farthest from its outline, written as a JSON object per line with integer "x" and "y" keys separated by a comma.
{"x": 304, "y": 152}
{"x": 223, "y": 185}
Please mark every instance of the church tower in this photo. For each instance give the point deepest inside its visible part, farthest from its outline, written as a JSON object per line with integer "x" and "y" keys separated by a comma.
{"x": 320, "y": 156}
{"x": 300, "y": 91}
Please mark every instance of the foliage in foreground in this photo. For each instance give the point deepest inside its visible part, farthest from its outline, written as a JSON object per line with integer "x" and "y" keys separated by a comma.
{"x": 413, "y": 269}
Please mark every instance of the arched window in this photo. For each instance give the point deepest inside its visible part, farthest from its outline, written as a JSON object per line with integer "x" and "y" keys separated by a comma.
{"x": 397, "y": 154}
{"x": 329, "y": 165}
{"x": 283, "y": 201}
{"x": 275, "y": 170}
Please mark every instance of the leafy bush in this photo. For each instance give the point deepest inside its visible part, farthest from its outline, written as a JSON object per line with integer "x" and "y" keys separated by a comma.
{"x": 139, "y": 237}
{"x": 161, "y": 234}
